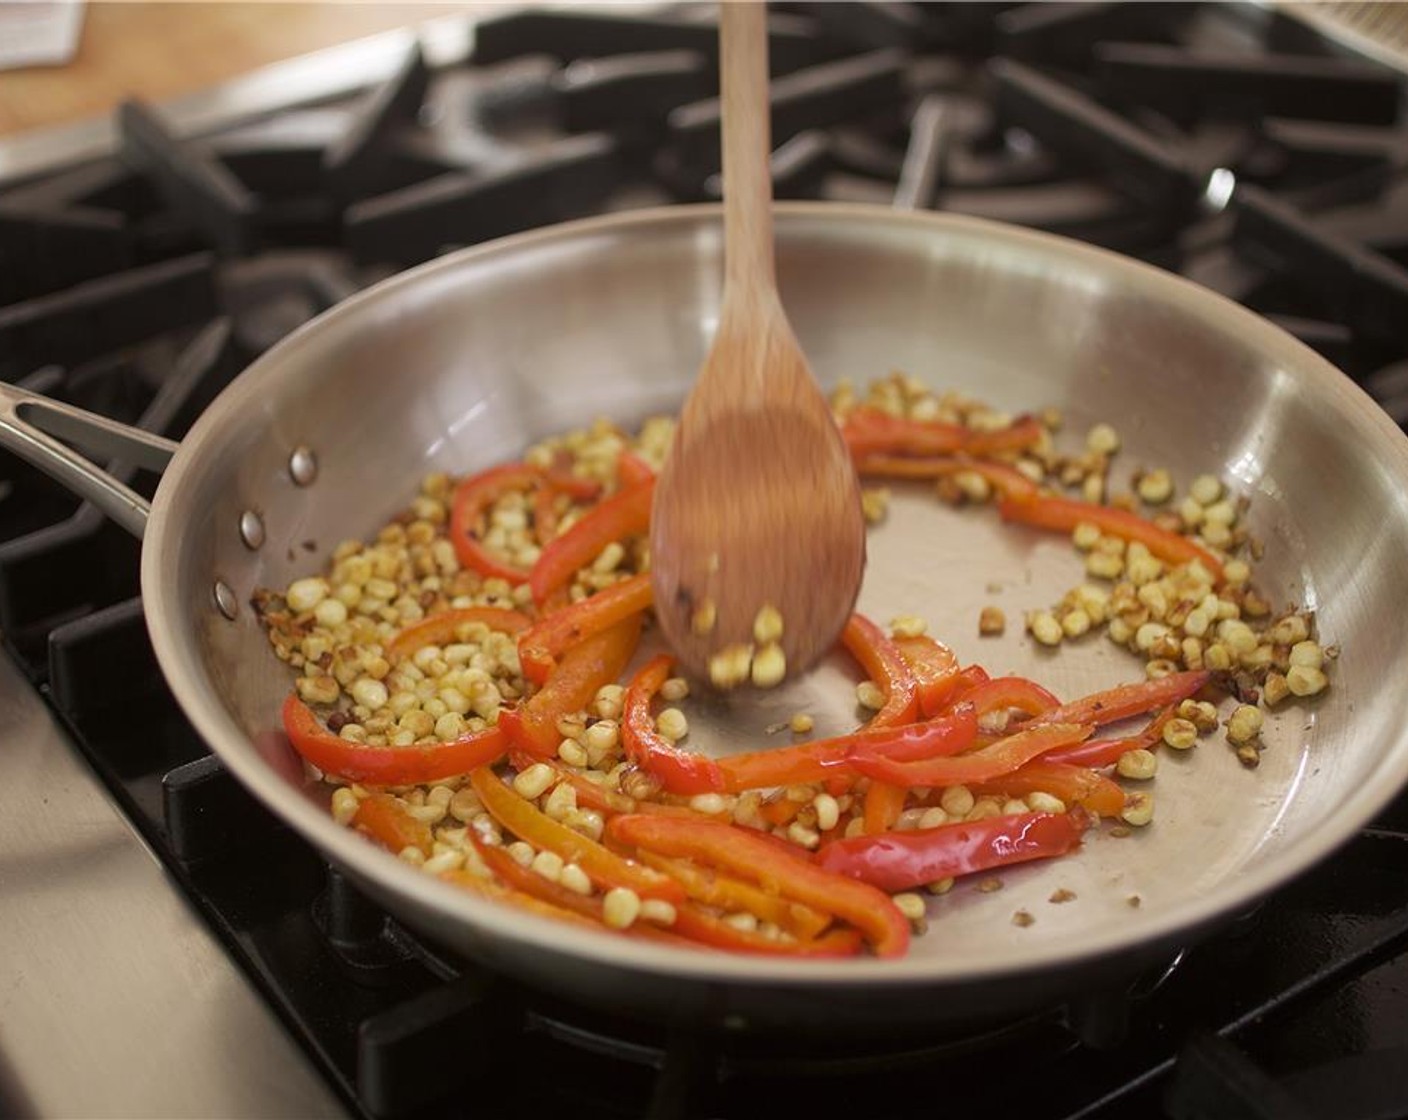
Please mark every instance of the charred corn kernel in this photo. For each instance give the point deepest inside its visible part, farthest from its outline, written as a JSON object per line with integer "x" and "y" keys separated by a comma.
{"x": 1303, "y": 680}
{"x": 658, "y": 911}
{"x": 608, "y": 702}
{"x": 1138, "y": 808}
{"x": 870, "y": 695}
{"x": 957, "y": 801}
{"x": 1244, "y": 724}
{"x": 672, "y": 724}
{"x": 1237, "y": 636}
{"x": 767, "y": 625}
{"x": 1289, "y": 631}
{"x": 547, "y": 864}
{"x": 1307, "y": 655}
{"x": 875, "y": 504}
{"x": 1102, "y": 440}
{"x": 1159, "y": 667}
{"x": 344, "y": 805}
{"x": 1104, "y": 565}
{"x": 708, "y": 803}
{"x": 1205, "y": 489}
{"x": 730, "y": 667}
{"x": 1180, "y": 734}
{"x": 973, "y": 486}
{"x": 575, "y": 879}
{"x": 321, "y": 689}
{"x": 533, "y": 782}
{"x": 803, "y": 836}
{"x": 704, "y": 618}
{"x": 1075, "y": 623}
{"x": 1249, "y": 755}
{"x": 1148, "y": 634}
{"x": 573, "y": 753}
{"x": 353, "y": 733}
{"x": 1043, "y": 802}
{"x": 674, "y": 690}
{"x": 991, "y": 621}
{"x": 305, "y": 594}
{"x": 1141, "y": 765}
{"x": 828, "y": 811}
{"x": 620, "y": 907}
{"x": 1042, "y": 626}
{"x": 1217, "y": 657}
{"x": 932, "y": 817}
{"x": 1085, "y": 536}
{"x": 1200, "y": 713}
{"x": 801, "y": 723}
{"x": 910, "y": 904}
{"x": 1274, "y": 689}
{"x": 908, "y": 626}
{"x": 521, "y": 853}
{"x": 561, "y": 801}
{"x": 1156, "y": 487}
{"x": 769, "y": 666}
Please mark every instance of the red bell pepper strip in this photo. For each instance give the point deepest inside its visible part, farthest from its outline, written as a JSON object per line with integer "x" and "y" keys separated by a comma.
{"x": 386, "y": 821}
{"x": 1007, "y": 480}
{"x": 746, "y": 853}
{"x": 699, "y": 925}
{"x": 1064, "y": 514}
{"x": 626, "y": 514}
{"x": 603, "y": 800}
{"x": 387, "y": 766}
{"x": 816, "y": 761}
{"x": 440, "y": 629}
{"x": 1003, "y": 694}
{"x": 583, "y": 669}
{"x": 632, "y": 470}
{"x": 678, "y": 771}
{"x": 1002, "y": 757}
{"x": 869, "y": 430}
{"x": 1075, "y": 785}
{"x": 1126, "y": 700}
{"x": 525, "y": 820}
{"x": 471, "y": 499}
{"x": 898, "y": 861}
{"x": 887, "y": 667}
{"x": 545, "y": 515}
{"x": 713, "y": 888}
{"x": 935, "y": 669}
{"x": 1107, "y": 752}
{"x": 544, "y": 641}
{"x": 489, "y": 888}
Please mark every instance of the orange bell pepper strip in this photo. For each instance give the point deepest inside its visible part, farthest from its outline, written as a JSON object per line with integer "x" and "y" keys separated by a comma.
{"x": 583, "y": 669}
{"x": 1002, "y": 757}
{"x": 935, "y": 669}
{"x": 1007, "y": 480}
{"x": 899, "y": 861}
{"x": 802, "y": 763}
{"x": 1004, "y": 694}
{"x": 525, "y": 820}
{"x": 699, "y": 925}
{"x": 625, "y": 514}
{"x": 542, "y": 643}
{"x": 886, "y": 666}
{"x": 632, "y": 470}
{"x": 750, "y": 855}
{"x": 603, "y": 800}
{"x": 1107, "y": 752}
{"x": 1063, "y": 514}
{"x": 882, "y": 807}
{"x": 1126, "y": 700}
{"x": 441, "y": 629}
{"x": 387, "y": 766}
{"x": 1075, "y": 785}
{"x": 868, "y": 430}
{"x": 678, "y": 771}
{"x": 713, "y": 888}
{"x": 386, "y": 821}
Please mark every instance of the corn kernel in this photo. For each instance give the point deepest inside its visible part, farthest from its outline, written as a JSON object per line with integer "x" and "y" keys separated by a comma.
{"x": 1138, "y": 808}
{"x": 909, "y": 904}
{"x": 991, "y": 621}
{"x": 1303, "y": 680}
{"x": 730, "y": 667}
{"x": 828, "y": 811}
{"x": 1140, "y": 764}
{"x": 769, "y": 666}
{"x": 1205, "y": 489}
{"x": 767, "y": 625}
{"x": 533, "y": 782}
{"x": 620, "y": 907}
{"x": 1244, "y": 724}
{"x": 1044, "y": 628}
{"x": 957, "y": 801}
{"x": 870, "y": 695}
{"x": 1102, "y": 440}
{"x": 1180, "y": 734}
{"x": 1043, "y": 802}
{"x": 344, "y": 805}
{"x": 305, "y": 594}
{"x": 547, "y": 864}
{"x": 908, "y": 626}
{"x": 801, "y": 723}
{"x": 1274, "y": 689}
{"x": 704, "y": 618}
{"x": 1085, "y": 535}
{"x": 1307, "y": 655}
{"x": 674, "y": 690}
{"x": 672, "y": 724}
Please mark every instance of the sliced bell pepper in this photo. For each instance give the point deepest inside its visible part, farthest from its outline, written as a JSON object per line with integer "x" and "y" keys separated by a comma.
{"x": 887, "y": 667}
{"x": 471, "y": 499}
{"x": 545, "y": 516}
{"x": 632, "y": 470}
{"x": 386, "y": 821}
{"x": 570, "y": 687}
{"x": 678, "y": 771}
{"x": 387, "y": 766}
{"x": 1064, "y": 514}
{"x": 882, "y": 807}
{"x": 750, "y": 855}
{"x": 525, "y": 820}
{"x": 935, "y": 669}
{"x": 1107, "y": 752}
{"x": 699, "y": 925}
{"x": 1004, "y": 694}
{"x": 544, "y": 641}
{"x": 1075, "y": 785}
{"x": 713, "y": 888}
{"x": 440, "y": 629}
{"x": 489, "y": 888}
{"x": 1002, "y": 757}
{"x": 1126, "y": 700}
{"x": 868, "y": 430}
{"x": 626, "y": 514}
{"x": 1007, "y": 480}
{"x": 803, "y": 763}
{"x": 899, "y": 861}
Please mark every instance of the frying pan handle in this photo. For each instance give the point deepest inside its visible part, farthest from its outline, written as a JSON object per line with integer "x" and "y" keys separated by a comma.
{"x": 32, "y": 426}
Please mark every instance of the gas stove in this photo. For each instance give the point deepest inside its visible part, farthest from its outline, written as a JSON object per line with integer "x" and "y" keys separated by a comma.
{"x": 155, "y": 963}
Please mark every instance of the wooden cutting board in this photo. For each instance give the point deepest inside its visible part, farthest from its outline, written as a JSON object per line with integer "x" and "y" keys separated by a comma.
{"x": 159, "y": 51}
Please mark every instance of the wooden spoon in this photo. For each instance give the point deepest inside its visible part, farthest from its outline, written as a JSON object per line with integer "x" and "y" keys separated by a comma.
{"x": 758, "y": 504}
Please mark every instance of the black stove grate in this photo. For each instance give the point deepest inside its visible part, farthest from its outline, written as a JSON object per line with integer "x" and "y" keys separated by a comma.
{"x": 1190, "y": 135}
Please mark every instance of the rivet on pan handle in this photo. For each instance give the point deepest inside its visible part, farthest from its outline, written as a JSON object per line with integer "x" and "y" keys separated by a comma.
{"x": 32, "y": 426}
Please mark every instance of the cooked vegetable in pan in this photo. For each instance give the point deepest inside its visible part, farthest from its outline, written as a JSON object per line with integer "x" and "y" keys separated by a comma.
{"x": 468, "y": 687}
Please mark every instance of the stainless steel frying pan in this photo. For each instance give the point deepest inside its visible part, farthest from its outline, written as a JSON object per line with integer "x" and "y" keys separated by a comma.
{"x": 460, "y": 363}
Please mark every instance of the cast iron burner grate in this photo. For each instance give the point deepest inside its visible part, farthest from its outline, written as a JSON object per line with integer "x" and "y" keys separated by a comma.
{"x": 1234, "y": 146}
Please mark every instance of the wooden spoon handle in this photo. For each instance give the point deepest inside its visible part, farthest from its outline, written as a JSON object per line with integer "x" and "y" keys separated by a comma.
{"x": 747, "y": 135}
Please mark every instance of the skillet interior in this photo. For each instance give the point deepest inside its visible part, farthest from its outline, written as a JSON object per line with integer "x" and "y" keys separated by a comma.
{"x": 460, "y": 363}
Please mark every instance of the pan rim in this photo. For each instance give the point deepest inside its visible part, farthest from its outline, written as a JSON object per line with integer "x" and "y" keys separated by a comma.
{"x": 178, "y": 654}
